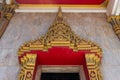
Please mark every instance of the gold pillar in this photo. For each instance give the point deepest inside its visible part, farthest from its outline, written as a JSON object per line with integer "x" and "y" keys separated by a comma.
{"x": 115, "y": 22}
{"x": 7, "y": 12}
{"x": 28, "y": 66}
{"x": 93, "y": 66}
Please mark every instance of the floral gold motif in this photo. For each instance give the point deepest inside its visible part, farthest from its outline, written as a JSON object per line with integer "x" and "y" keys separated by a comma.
{"x": 7, "y": 12}
{"x": 115, "y": 22}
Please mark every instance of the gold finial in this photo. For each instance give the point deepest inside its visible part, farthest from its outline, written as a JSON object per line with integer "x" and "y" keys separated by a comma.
{"x": 60, "y": 12}
{"x": 59, "y": 17}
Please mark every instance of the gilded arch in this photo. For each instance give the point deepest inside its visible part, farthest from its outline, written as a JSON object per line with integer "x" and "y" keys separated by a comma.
{"x": 59, "y": 34}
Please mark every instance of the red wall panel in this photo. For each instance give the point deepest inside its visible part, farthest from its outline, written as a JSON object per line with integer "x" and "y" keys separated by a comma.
{"x": 87, "y": 2}
{"x": 60, "y": 56}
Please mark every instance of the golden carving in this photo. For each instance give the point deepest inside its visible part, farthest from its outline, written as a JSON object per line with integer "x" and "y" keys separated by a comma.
{"x": 115, "y": 22}
{"x": 28, "y": 63}
{"x": 93, "y": 66}
{"x": 7, "y": 12}
{"x": 60, "y": 34}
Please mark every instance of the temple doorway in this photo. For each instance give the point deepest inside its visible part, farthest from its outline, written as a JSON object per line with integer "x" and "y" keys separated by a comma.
{"x": 60, "y": 73}
{"x": 60, "y": 76}
{"x": 60, "y": 50}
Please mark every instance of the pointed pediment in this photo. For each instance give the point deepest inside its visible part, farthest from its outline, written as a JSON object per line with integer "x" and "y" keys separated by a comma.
{"x": 60, "y": 34}
{"x": 60, "y": 31}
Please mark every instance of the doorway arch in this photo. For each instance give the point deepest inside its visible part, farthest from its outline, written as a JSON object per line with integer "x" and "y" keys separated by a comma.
{"x": 60, "y": 46}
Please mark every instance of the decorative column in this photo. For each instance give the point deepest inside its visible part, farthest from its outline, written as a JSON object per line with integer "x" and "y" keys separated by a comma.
{"x": 93, "y": 66}
{"x": 28, "y": 67}
{"x": 115, "y": 22}
{"x": 7, "y": 12}
{"x": 113, "y": 7}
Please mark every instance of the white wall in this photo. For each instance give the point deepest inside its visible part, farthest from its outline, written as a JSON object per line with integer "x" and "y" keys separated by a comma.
{"x": 8, "y": 1}
{"x": 1, "y": 1}
{"x": 113, "y": 7}
{"x": 118, "y": 8}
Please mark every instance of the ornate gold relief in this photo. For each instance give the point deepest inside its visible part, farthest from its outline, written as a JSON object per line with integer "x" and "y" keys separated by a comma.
{"x": 60, "y": 34}
{"x": 115, "y": 22}
{"x": 93, "y": 66}
{"x": 28, "y": 63}
{"x": 7, "y": 12}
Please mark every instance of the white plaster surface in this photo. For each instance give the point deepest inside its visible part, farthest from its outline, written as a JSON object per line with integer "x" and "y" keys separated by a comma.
{"x": 113, "y": 7}
{"x": 29, "y": 26}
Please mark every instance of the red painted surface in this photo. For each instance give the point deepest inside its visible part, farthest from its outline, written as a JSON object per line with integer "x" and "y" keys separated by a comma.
{"x": 85, "y": 69}
{"x": 35, "y": 70}
{"x": 87, "y": 2}
{"x": 0, "y": 14}
{"x": 61, "y": 56}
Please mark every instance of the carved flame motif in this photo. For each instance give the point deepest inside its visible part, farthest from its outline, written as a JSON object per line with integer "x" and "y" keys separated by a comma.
{"x": 60, "y": 31}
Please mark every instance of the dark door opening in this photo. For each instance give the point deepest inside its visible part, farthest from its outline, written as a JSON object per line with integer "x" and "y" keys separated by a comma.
{"x": 60, "y": 76}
